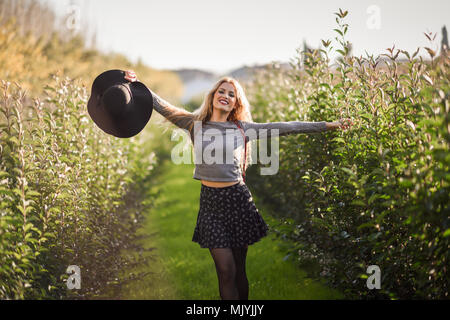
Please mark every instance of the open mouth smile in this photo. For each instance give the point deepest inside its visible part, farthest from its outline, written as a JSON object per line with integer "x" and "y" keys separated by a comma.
{"x": 223, "y": 101}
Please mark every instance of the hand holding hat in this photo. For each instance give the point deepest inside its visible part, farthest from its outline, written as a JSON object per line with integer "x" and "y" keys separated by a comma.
{"x": 130, "y": 75}
{"x": 119, "y": 104}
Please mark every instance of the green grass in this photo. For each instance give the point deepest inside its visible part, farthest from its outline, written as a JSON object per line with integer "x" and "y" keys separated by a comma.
{"x": 183, "y": 270}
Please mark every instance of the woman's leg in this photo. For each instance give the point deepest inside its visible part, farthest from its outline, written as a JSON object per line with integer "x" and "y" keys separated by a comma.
{"x": 240, "y": 255}
{"x": 226, "y": 272}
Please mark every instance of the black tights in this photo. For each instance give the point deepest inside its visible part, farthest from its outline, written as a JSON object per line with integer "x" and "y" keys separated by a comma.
{"x": 230, "y": 268}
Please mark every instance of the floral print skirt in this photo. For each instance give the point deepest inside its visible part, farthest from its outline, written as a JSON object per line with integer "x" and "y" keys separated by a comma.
{"x": 228, "y": 218}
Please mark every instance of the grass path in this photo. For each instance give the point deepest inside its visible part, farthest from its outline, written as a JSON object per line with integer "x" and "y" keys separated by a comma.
{"x": 183, "y": 270}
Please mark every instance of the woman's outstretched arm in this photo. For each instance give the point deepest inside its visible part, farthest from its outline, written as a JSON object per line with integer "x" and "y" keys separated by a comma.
{"x": 168, "y": 110}
{"x": 256, "y": 130}
{"x": 180, "y": 117}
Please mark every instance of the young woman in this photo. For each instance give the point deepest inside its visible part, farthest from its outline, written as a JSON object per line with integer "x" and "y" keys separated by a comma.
{"x": 228, "y": 220}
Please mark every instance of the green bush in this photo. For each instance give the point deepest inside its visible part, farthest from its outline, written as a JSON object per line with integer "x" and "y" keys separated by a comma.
{"x": 374, "y": 195}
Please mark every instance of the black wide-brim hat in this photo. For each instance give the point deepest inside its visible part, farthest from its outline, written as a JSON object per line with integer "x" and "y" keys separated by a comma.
{"x": 119, "y": 106}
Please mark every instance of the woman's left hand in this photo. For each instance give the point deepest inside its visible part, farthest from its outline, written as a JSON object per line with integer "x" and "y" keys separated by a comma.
{"x": 344, "y": 124}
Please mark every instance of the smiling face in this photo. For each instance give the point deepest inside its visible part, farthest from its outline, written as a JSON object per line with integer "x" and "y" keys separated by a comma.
{"x": 225, "y": 97}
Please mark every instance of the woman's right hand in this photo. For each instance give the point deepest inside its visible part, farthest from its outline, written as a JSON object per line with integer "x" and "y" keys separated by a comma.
{"x": 130, "y": 75}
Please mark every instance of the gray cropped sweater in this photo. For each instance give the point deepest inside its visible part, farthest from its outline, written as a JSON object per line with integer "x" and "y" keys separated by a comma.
{"x": 219, "y": 146}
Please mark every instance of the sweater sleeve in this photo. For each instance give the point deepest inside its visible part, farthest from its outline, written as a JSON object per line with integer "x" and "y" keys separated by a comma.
{"x": 254, "y": 130}
{"x": 164, "y": 108}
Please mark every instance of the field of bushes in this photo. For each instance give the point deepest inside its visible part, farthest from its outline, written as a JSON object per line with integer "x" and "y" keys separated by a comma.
{"x": 69, "y": 193}
{"x": 377, "y": 194}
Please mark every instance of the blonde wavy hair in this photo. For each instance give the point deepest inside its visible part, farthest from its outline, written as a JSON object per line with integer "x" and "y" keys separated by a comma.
{"x": 241, "y": 111}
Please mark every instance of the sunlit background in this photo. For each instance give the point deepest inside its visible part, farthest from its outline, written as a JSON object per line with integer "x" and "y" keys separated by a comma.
{"x": 219, "y": 36}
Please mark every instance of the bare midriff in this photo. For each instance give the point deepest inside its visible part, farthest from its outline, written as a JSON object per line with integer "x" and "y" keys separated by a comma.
{"x": 219, "y": 184}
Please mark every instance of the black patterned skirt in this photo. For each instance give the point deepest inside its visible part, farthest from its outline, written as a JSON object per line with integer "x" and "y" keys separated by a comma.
{"x": 228, "y": 218}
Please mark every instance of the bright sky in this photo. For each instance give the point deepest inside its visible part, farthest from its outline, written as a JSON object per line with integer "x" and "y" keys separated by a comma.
{"x": 222, "y": 35}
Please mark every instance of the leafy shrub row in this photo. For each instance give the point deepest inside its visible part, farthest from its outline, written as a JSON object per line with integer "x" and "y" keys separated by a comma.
{"x": 69, "y": 195}
{"x": 374, "y": 195}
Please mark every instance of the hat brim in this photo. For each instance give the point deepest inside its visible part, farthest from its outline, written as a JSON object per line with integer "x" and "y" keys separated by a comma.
{"x": 139, "y": 111}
